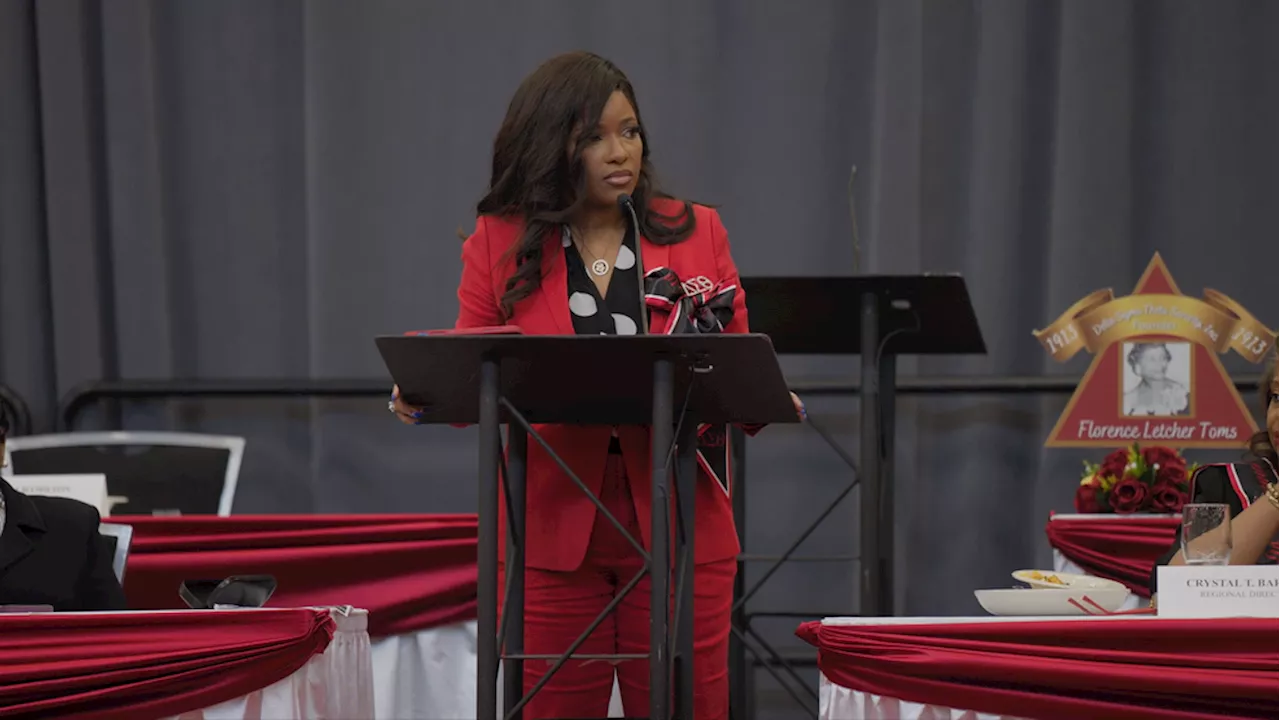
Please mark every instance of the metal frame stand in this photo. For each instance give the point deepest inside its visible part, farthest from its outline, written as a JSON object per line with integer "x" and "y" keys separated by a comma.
{"x": 740, "y": 670}
{"x": 876, "y": 589}
{"x": 877, "y": 509}
{"x": 506, "y": 645}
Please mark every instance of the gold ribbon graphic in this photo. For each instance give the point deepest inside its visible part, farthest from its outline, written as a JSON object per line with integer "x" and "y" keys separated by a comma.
{"x": 1217, "y": 322}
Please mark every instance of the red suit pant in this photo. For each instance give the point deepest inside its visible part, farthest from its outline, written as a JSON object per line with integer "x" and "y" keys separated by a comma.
{"x": 560, "y": 605}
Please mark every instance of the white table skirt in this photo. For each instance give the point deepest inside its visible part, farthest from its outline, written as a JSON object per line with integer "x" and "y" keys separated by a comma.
{"x": 431, "y": 675}
{"x": 841, "y": 703}
{"x": 335, "y": 685}
{"x": 426, "y": 675}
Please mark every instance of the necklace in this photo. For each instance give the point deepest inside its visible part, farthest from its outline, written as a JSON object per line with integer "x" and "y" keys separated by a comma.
{"x": 599, "y": 266}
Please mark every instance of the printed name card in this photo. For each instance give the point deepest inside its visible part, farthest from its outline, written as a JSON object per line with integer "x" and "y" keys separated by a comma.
{"x": 88, "y": 489}
{"x": 1218, "y": 591}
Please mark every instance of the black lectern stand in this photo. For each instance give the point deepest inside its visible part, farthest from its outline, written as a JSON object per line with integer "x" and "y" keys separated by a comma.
{"x": 877, "y": 317}
{"x": 672, "y": 383}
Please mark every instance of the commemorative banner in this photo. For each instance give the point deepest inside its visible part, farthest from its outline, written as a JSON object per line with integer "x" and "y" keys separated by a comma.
{"x": 1155, "y": 375}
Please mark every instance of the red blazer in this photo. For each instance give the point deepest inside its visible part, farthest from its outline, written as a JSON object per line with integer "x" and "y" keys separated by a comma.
{"x": 560, "y": 517}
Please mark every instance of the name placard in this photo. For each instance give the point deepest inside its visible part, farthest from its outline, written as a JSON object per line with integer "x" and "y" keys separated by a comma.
{"x": 1218, "y": 591}
{"x": 88, "y": 489}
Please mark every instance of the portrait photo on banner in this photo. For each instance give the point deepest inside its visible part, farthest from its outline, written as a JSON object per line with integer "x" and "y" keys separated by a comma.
{"x": 1156, "y": 377}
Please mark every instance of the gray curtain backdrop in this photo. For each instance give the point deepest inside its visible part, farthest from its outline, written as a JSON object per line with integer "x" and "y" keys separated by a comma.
{"x": 255, "y": 189}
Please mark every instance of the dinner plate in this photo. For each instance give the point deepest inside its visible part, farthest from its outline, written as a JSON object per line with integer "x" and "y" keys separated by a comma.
{"x": 1058, "y": 601}
{"x": 1039, "y": 579}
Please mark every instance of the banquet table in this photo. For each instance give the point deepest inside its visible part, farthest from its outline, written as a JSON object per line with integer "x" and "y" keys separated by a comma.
{"x": 251, "y": 664}
{"x": 415, "y": 574}
{"x": 1042, "y": 668}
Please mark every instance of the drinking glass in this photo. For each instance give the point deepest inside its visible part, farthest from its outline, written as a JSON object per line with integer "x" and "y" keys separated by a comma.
{"x": 1206, "y": 534}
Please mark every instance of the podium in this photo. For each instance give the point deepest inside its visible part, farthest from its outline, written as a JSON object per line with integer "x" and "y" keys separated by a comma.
{"x": 672, "y": 383}
{"x": 877, "y": 317}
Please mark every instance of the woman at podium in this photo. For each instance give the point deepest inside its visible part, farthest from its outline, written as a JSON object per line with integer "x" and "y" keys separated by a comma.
{"x": 575, "y": 237}
{"x": 1248, "y": 488}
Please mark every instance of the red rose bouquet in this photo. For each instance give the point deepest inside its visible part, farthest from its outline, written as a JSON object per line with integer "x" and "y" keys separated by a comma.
{"x": 1135, "y": 480}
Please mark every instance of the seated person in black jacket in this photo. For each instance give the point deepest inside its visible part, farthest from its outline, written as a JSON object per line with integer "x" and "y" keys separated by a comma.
{"x": 51, "y": 552}
{"x": 1249, "y": 488}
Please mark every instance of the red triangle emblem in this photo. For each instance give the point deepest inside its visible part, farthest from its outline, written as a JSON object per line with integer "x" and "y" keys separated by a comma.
{"x": 1155, "y": 376}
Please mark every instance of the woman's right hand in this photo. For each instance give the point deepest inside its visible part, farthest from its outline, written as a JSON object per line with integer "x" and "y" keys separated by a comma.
{"x": 405, "y": 413}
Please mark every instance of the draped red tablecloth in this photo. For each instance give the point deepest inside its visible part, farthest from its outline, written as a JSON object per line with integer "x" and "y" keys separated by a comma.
{"x": 1100, "y": 668}
{"x": 1122, "y": 547}
{"x": 124, "y": 666}
{"x": 411, "y": 572}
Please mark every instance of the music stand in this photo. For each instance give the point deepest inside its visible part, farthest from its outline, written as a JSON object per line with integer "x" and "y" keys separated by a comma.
{"x": 879, "y": 318}
{"x": 655, "y": 380}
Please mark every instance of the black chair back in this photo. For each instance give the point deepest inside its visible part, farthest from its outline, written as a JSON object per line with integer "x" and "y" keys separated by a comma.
{"x": 158, "y": 473}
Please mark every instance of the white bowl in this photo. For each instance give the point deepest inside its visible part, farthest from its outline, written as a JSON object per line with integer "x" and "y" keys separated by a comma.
{"x": 1058, "y": 601}
{"x": 1038, "y": 579}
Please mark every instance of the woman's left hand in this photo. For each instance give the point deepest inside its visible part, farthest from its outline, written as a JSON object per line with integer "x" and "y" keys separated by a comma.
{"x": 795, "y": 400}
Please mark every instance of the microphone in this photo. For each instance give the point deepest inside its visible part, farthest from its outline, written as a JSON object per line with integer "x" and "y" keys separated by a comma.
{"x": 628, "y": 208}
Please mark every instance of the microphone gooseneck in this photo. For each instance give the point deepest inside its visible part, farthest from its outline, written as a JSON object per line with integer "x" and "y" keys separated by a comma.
{"x": 628, "y": 208}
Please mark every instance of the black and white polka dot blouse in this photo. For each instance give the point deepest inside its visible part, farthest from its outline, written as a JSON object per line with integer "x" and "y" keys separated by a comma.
{"x": 618, "y": 313}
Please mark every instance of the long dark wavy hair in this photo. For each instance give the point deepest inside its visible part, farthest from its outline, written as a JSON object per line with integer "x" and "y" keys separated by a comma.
{"x": 1260, "y": 444}
{"x": 534, "y": 177}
